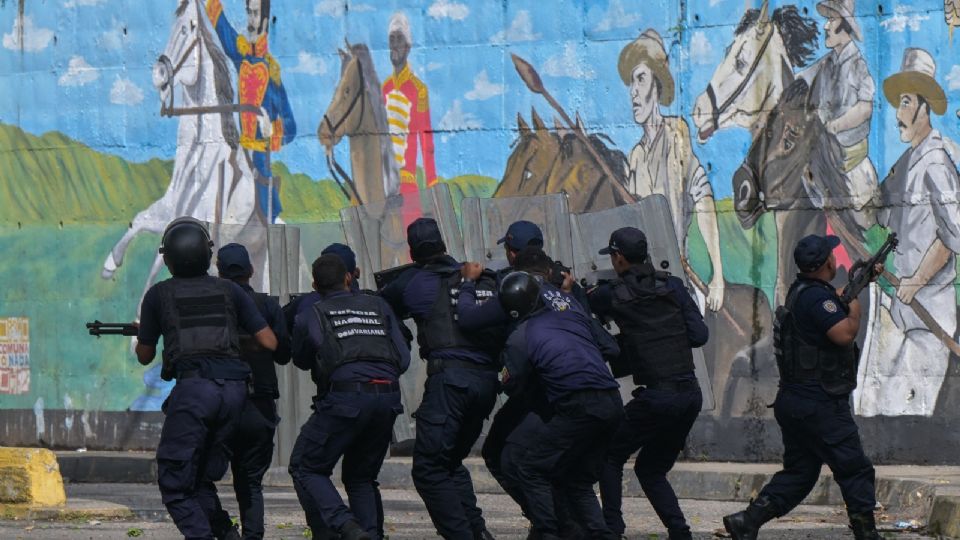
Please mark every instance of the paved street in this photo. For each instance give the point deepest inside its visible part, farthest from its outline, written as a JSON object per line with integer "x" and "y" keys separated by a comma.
{"x": 406, "y": 518}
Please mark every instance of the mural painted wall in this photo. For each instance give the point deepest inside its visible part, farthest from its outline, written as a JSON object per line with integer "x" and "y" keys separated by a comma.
{"x": 758, "y": 123}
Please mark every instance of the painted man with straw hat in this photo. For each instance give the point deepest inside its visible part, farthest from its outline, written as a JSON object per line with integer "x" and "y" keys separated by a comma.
{"x": 919, "y": 203}
{"x": 663, "y": 162}
{"x": 841, "y": 86}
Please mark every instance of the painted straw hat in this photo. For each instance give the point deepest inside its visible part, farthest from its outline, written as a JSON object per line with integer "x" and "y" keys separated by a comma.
{"x": 844, "y": 10}
{"x": 917, "y": 76}
{"x": 648, "y": 49}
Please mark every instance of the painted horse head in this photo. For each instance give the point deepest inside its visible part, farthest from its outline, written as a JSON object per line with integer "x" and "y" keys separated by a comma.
{"x": 756, "y": 68}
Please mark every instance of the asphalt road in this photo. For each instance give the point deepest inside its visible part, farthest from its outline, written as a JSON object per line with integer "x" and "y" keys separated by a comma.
{"x": 406, "y": 518}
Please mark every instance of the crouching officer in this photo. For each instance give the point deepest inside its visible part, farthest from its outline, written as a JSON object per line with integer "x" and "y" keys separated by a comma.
{"x": 305, "y": 301}
{"x": 200, "y": 318}
{"x": 564, "y": 349}
{"x": 353, "y": 347}
{"x": 461, "y": 385}
{"x": 817, "y": 358}
{"x": 659, "y": 326}
{"x": 252, "y": 441}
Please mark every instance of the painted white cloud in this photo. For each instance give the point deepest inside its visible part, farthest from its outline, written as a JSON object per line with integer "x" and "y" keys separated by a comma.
{"x": 125, "y": 92}
{"x": 35, "y": 38}
{"x": 521, "y": 29}
{"x": 901, "y": 20}
{"x": 433, "y": 66}
{"x": 714, "y": 3}
{"x": 445, "y": 9}
{"x": 617, "y": 16}
{"x": 78, "y": 3}
{"x": 309, "y": 64}
{"x": 700, "y": 49}
{"x": 337, "y": 8}
{"x": 79, "y": 73}
{"x": 568, "y": 64}
{"x": 954, "y": 78}
{"x": 483, "y": 88}
{"x": 114, "y": 38}
{"x": 455, "y": 119}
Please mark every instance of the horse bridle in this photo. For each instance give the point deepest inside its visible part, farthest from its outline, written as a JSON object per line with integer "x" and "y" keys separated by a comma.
{"x": 340, "y": 176}
{"x": 717, "y": 111}
{"x": 353, "y": 103}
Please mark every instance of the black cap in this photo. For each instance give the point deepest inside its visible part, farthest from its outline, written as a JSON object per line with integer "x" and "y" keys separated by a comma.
{"x": 521, "y": 234}
{"x": 812, "y": 251}
{"x": 233, "y": 262}
{"x": 629, "y": 242}
{"x": 424, "y": 238}
{"x": 344, "y": 252}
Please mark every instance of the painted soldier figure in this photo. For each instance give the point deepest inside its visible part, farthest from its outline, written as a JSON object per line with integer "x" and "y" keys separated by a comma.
{"x": 408, "y": 118}
{"x": 258, "y": 77}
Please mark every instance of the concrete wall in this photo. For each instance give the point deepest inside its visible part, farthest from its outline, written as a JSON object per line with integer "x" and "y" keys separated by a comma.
{"x": 91, "y": 171}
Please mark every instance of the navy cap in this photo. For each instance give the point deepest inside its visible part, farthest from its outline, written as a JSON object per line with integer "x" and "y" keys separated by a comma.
{"x": 343, "y": 251}
{"x": 424, "y": 238}
{"x": 233, "y": 261}
{"x": 812, "y": 251}
{"x": 629, "y": 242}
{"x": 521, "y": 234}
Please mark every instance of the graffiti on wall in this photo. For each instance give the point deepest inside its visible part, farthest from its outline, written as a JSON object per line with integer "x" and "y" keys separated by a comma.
{"x": 757, "y": 123}
{"x": 14, "y": 355}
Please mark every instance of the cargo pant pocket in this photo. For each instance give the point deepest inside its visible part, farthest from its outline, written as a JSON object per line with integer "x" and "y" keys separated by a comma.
{"x": 176, "y": 472}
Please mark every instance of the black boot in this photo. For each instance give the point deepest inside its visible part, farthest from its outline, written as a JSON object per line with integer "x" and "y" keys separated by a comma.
{"x": 864, "y": 527}
{"x": 352, "y": 530}
{"x": 482, "y": 534}
{"x": 746, "y": 525}
{"x": 680, "y": 534}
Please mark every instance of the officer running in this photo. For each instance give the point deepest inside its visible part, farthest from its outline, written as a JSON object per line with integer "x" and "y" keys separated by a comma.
{"x": 200, "y": 318}
{"x": 659, "y": 326}
{"x": 817, "y": 358}
{"x": 461, "y": 386}
{"x": 252, "y": 442}
{"x": 563, "y": 349}
{"x": 353, "y": 347}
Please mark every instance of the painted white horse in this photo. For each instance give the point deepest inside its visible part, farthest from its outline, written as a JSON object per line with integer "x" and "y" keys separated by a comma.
{"x": 212, "y": 178}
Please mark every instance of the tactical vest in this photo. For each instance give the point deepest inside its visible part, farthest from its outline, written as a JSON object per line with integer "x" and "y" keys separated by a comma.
{"x": 258, "y": 358}
{"x": 653, "y": 334}
{"x": 441, "y": 331}
{"x": 355, "y": 330}
{"x": 199, "y": 319}
{"x": 798, "y": 359}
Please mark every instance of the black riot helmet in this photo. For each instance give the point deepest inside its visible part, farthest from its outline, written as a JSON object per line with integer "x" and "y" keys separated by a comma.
{"x": 186, "y": 247}
{"x": 519, "y": 294}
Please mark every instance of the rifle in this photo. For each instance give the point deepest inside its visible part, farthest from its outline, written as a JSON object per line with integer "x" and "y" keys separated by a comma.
{"x": 863, "y": 272}
{"x": 388, "y": 276}
{"x": 97, "y": 328}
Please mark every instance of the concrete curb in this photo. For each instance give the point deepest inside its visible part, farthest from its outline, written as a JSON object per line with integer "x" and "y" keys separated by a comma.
{"x": 30, "y": 476}
{"x": 75, "y": 509}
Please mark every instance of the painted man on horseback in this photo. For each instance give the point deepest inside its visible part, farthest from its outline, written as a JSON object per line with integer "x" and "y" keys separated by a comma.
{"x": 408, "y": 117}
{"x": 259, "y": 85}
{"x": 663, "y": 161}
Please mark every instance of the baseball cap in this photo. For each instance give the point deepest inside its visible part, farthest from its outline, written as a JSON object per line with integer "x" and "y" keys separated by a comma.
{"x": 424, "y": 238}
{"x": 629, "y": 242}
{"x": 522, "y": 233}
{"x": 812, "y": 251}
{"x": 344, "y": 252}
{"x": 233, "y": 261}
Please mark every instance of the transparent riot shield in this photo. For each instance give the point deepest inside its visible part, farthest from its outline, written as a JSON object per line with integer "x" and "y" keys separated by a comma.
{"x": 591, "y": 232}
{"x": 486, "y": 220}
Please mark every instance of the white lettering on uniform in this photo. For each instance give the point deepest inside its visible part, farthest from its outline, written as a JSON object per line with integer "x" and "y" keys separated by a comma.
{"x": 361, "y": 332}
{"x": 356, "y": 320}
{"x": 351, "y": 312}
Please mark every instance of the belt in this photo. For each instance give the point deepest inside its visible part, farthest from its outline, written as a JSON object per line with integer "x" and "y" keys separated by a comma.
{"x": 189, "y": 374}
{"x": 674, "y": 386}
{"x": 369, "y": 388}
{"x": 437, "y": 365}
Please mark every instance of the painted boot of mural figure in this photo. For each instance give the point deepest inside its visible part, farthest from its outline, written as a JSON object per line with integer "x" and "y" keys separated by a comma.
{"x": 746, "y": 525}
{"x": 110, "y": 265}
{"x": 864, "y": 527}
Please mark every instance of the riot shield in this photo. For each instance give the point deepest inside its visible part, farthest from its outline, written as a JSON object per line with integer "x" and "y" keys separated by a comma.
{"x": 591, "y": 232}
{"x": 486, "y": 220}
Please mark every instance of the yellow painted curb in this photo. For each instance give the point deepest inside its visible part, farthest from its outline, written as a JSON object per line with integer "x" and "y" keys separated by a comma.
{"x": 30, "y": 476}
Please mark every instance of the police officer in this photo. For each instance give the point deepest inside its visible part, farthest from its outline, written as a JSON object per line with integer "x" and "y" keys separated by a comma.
{"x": 252, "y": 442}
{"x": 200, "y": 318}
{"x": 659, "y": 326}
{"x": 561, "y": 347}
{"x": 817, "y": 357}
{"x": 353, "y": 347}
{"x": 305, "y": 301}
{"x": 461, "y": 385}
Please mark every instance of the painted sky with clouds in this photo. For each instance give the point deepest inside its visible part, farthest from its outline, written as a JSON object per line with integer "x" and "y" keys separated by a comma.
{"x": 85, "y": 69}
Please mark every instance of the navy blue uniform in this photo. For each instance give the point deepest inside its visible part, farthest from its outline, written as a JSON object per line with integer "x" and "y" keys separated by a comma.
{"x": 202, "y": 412}
{"x": 657, "y": 422}
{"x": 459, "y": 393}
{"x": 353, "y": 419}
{"x": 817, "y": 427}
{"x": 563, "y": 349}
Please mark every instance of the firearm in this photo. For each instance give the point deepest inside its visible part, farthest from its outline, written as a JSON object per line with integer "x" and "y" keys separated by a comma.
{"x": 97, "y": 328}
{"x": 388, "y": 276}
{"x": 556, "y": 273}
{"x": 863, "y": 272}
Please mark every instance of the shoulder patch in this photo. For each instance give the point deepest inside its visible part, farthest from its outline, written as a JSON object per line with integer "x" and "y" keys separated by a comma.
{"x": 830, "y": 306}
{"x": 243, "y": 46}
{"x": 274, "y": 69}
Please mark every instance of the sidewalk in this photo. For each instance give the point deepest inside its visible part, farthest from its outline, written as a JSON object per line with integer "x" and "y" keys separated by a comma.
{"x": 929, "y": 494}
